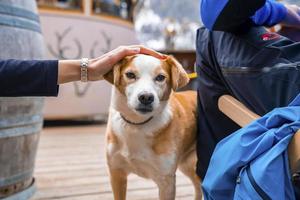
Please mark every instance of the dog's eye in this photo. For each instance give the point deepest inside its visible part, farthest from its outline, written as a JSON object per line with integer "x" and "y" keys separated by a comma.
{"x": 160, "y": 78}
{"x": 130, "y": 75}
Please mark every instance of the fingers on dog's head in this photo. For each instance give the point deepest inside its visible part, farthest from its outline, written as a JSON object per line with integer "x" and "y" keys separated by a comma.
{"x": 179, "y": 77}
{"x": 114, "y": 75}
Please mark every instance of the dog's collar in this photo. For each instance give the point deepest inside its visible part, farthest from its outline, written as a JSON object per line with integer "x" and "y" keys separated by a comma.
{"x": 136, "y": 123}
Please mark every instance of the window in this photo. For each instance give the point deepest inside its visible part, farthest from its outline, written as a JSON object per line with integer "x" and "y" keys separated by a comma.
{"x": 61, "y": 4}
{"x": 119, "y": 8}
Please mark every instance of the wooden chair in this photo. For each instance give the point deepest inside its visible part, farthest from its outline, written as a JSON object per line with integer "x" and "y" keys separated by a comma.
{"x": 241, "y": 115}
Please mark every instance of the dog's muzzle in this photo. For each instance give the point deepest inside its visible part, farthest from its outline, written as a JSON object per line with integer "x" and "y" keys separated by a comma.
{"x": 145, "y": 102}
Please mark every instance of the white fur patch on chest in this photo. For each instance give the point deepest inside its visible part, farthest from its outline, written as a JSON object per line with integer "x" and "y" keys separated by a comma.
{"x": 136, "y": 149}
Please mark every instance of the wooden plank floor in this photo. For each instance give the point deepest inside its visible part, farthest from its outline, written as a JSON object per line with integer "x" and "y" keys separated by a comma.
{"x": 70, "y": 165}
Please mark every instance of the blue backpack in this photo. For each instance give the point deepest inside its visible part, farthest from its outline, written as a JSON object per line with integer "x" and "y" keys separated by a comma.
{"x": 252, "y": 163}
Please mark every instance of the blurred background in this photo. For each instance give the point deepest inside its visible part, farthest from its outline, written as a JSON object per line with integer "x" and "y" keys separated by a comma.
{"x": 45, "y": 152}
{"x": 73, "y": 29}
{"x": 54, "y": 148}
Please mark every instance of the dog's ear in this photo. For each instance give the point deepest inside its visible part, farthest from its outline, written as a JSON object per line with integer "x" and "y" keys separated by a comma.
{"x": 179, "y": 76}
{"x": 114, "y": 75}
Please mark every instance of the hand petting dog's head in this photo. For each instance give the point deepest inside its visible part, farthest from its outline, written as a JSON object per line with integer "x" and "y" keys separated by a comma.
{"x": 147, "y": 81}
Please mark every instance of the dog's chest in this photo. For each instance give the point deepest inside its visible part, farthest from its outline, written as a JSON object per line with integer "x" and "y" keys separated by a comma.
{"x": 137, "y": 156}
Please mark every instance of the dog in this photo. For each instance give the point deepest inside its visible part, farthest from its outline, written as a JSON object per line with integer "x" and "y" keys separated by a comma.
{"x": 151, "y": 128}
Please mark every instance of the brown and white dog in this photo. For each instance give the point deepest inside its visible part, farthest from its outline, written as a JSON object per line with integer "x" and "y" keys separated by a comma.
{"x": 151, "y": 129}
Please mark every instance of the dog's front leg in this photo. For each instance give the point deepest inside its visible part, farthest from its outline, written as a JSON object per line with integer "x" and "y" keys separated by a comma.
{"x": 118, "y": 180}
{"x": 167, "y": 187}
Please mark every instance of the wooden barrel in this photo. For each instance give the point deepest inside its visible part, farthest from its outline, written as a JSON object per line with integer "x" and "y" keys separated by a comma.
{"x": 20, "y": 118}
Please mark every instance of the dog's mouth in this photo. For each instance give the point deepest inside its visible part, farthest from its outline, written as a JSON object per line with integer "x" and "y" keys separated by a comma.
{"x": 144, "y": 109}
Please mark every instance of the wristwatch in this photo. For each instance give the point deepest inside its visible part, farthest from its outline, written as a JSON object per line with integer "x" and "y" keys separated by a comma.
{"x": 84, "y": 62}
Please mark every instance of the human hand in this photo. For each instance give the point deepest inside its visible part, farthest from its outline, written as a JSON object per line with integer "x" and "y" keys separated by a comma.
{"x": 292, "y": 18}
{"x": 69, "y": 70}
{"x": 100, "y": 66}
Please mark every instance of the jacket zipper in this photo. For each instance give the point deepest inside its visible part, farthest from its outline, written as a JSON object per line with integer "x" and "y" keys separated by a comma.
{"x": 232, "y": 70}
{"x": 258, "y": 189}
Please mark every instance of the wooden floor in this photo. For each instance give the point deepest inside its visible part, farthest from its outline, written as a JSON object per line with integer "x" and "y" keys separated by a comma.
{"x": 70, "y": 165}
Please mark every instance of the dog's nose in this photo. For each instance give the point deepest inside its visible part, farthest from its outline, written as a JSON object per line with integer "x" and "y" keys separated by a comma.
{"x": 146, "y": 98}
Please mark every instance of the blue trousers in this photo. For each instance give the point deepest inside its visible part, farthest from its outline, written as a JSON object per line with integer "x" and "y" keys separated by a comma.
{"x": 260, "y": 69}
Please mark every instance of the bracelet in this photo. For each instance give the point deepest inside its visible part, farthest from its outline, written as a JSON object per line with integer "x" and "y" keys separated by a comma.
{"x": 84, "y": 62}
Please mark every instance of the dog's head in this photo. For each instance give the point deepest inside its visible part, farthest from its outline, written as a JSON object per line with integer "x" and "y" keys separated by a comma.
{"x": 147, "y": 81}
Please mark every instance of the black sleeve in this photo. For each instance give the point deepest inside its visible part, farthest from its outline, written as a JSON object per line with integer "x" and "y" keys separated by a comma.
{"x": 28, "y": 78}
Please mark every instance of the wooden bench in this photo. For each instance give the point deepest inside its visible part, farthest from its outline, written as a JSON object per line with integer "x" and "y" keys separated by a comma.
{"x": 241, "y": 115}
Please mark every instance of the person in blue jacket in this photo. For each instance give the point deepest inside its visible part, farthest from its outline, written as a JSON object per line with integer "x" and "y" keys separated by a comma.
{"x": 236, "y": 55}
{"x": 42, "y": 77}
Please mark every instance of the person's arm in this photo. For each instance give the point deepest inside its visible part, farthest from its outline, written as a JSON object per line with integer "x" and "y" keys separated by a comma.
{"x": 230, "y": 15}
{"x": 69, "y": 70}
{"x": 42, "y": 77}
{"x": 28, "y": 78}
{"x": 270, "y": 14}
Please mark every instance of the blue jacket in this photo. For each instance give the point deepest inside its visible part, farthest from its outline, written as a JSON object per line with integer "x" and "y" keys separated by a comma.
{"x": 231, "y": 15}
{"x": 252, "y": 163}
{"x": 28, "y": 78}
